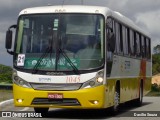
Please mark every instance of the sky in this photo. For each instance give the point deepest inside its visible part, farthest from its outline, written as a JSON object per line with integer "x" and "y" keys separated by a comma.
{"x": 145, "y": 13}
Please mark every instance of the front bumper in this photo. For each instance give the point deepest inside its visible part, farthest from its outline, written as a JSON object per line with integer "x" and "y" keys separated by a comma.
{"x": 91, "y": 98}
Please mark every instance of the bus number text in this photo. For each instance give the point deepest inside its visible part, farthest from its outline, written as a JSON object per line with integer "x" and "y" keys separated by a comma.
{"x": 73, "y": 79}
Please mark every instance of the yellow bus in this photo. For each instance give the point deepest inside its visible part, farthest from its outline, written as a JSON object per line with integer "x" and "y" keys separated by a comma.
{"x": 78, "y": 57}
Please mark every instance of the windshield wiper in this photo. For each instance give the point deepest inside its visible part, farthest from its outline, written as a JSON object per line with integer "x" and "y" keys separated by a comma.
{"x": 35, "y": 69}
{"x": 75, "y": 69}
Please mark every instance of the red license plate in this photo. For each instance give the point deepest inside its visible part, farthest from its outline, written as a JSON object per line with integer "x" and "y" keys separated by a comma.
{"x": 55, "y": 95}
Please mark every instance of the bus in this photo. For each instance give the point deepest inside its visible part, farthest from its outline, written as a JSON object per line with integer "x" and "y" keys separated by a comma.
{"x": 78, "y": 57}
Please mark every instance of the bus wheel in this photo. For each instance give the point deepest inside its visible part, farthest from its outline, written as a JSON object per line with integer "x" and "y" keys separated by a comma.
{"x": 43, "y": 111}
{"x": 140, "y": 99}
{"x": 116, "y": 101}
{"x": 115, "y": 108}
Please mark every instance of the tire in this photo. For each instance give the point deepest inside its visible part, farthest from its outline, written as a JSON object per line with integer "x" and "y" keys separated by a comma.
{"x": 115, "y": 108}
{"x": 43, "y": 111}
{"x": 139, "y": 101}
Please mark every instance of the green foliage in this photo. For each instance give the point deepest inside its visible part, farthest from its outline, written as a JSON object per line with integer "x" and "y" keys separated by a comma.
{"x": 156, "y": 49}
{"x": 5, "y": 74}
{"x": 155, "y": 88}
{"x": 155, "y": 64}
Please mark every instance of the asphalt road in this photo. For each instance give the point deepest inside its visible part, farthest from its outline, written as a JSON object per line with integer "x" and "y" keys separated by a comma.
{"x": 151, "y": 106}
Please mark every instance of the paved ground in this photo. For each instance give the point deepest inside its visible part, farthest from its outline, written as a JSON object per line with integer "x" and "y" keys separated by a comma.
{"x": 5, "y": 95}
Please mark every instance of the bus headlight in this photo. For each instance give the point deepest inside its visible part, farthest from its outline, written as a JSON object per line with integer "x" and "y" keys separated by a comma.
{"x": 96, "y": 81}
{"x": 19, "y": 81}
{"x": 99, "y": 79}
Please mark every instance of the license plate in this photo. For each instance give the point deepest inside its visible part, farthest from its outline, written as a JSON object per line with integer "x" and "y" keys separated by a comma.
{"x": 55, "y": 95}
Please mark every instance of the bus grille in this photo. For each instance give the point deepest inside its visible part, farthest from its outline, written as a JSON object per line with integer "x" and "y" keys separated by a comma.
{"x": 62, "y": 102}
{"x": 47, "y": 86}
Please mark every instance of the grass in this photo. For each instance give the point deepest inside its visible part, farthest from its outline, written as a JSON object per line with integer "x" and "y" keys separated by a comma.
{"x": 5, "y": 95}
{"x": 153, "y": 93}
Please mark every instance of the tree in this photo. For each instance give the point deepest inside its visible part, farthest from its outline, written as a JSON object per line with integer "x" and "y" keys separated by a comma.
{"x": 156, "y": 49}
{"x": 5, "y": 74}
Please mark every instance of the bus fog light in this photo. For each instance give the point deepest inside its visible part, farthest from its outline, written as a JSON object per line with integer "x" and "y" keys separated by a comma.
{"x": 94, "y": 102}
{"x": 20, "y": 100}
{"x": 99, "y": 79}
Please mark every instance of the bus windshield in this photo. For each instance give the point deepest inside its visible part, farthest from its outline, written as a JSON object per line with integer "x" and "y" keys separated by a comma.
{"x": 42, "y": 37}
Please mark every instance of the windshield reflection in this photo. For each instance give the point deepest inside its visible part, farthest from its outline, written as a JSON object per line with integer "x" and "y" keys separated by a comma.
{"x": 79, "y": 36}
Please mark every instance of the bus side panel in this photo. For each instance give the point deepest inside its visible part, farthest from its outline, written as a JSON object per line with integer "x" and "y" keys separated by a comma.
{"x": 129, "y": 89}
{"x": 127, "y": 70}
{"x": 110, "y": 92}
{"x": 130, "y": 72}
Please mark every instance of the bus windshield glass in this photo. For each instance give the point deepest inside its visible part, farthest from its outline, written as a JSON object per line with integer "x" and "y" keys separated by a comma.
{"x": 42, "y": 38}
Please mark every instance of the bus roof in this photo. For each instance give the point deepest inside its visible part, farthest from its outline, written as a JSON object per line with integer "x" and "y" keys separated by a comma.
{"x": 83, "y": 9}
{"x": 66, "y": 9}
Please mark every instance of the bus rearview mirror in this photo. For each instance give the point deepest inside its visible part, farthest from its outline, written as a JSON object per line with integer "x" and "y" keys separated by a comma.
{"x": 8, "y": 39}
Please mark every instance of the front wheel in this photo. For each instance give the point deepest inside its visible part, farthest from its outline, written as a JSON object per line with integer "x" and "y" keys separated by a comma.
{"x": 116, "y": 102}
{"x": 115, "y": 108}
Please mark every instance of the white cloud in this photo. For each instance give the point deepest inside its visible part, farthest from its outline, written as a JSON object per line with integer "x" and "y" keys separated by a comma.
{"x": 2, "y": 43}
{"x": 113, "y": 4}
{"x": 146, "y": 13}
{"x": 150, "y": 20}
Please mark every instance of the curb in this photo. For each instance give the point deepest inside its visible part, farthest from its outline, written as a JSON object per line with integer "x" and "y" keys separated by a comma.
{"x": 6, "y": 102}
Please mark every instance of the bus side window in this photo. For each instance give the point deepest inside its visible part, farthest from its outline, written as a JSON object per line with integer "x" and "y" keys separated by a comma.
{"x": 143, "y": 46}
{"x": 145, "y": 53}
{"x": 140, "y": 45}
{"x": 110, "y": 44}
{"x": 131, "y": 43}
{"x": 125, "y": 41}
{"x": 137, "y": 45}
{"x": 121, "y": 39}
{"x": 117, "y": 36}
{"x": 128, "y": 40}
{"x": 147, "y": 48}
{"x": 110, "y": 39}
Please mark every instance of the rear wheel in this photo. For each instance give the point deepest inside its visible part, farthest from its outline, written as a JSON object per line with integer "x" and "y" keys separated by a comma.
{"x": 140, "y": 99}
